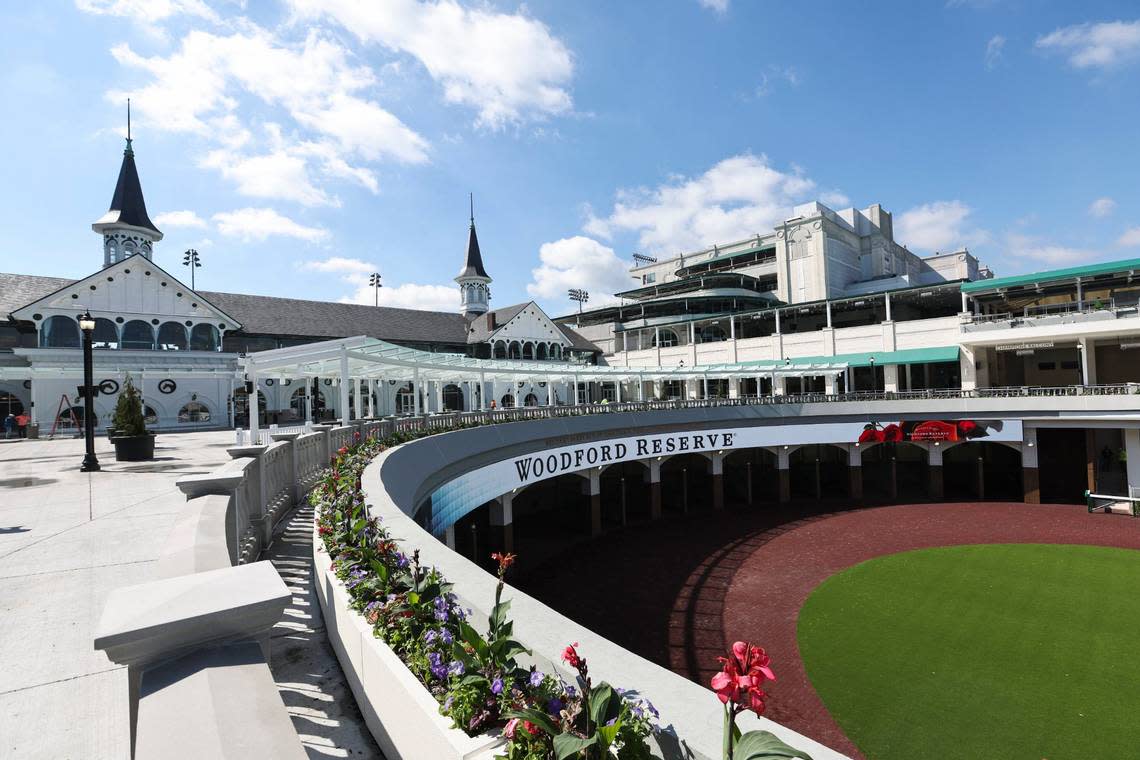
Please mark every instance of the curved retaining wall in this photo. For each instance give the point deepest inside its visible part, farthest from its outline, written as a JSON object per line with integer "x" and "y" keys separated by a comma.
{"x": 401, "y": 477}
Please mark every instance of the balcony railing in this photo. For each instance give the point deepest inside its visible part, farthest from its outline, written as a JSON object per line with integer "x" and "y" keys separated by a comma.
{"x": 1051, "y": 314}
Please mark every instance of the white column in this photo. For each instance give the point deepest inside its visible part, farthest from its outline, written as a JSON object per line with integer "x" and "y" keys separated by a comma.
{"x": 308, "y": 400}
{"x": 734, "y": 387}
{"x": 965, "y": 304}
{"x": 344, "y": 416}
{"x": 777, "y": 321}
{"x": 617, "y": 390}
{"x": 1080, "y": 293}
{"x": 705, "y": 386}
{"x": 416, "y": 390}
{"x": 1088, "y": 361}
{"x": 890, "y": 377}
{"x": 356, "y": 400}
{"x": 254, "y": 422}
{"x": 550, "y": 391}
{"x": 439, "y": 395}
{"x": 828, "y": 305}
{"x": 829, "y": 383}
{"x": 502, "y": 510}
{"x": 887, "y": 300}
{"x": 482, "y": 391}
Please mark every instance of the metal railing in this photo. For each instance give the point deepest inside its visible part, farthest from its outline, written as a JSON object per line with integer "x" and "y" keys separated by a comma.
{"x": 1061, "y": 313}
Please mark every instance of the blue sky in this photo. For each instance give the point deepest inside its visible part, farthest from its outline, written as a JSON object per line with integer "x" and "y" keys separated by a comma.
{"x": 301, "y": 144}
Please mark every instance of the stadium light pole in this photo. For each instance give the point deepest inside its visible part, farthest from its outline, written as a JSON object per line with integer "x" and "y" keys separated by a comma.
{"x": 90, "y": 461}
{"x": 579, "y": 295}
{"x": 374, "y": 283}
{"x": 191, "y": 259}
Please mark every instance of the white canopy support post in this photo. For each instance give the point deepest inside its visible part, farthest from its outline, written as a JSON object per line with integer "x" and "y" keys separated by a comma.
{"x": 550, "y": 391}
{"x": 828, "y": 305}
{"x": 344, "y": 380}
{"x": 416, "y": 391}
{"x": 309, "y": 400}
{"x": 254, "y": 433}
{"x": 887, "y": 301}
{"x": 617, "y": 390}
{"x": 356, "y": 398}
{"x": 482, "y": 391}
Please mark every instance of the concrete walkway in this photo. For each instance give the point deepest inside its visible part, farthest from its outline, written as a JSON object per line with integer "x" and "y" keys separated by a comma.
{"x": 304, "y": 666}
{"x": 66, "y": 540}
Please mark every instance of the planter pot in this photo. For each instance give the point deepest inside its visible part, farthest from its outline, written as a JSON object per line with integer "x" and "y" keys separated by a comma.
{"x": 133, "y": 448}
{"x": 400, "y": 713}
{"x": 111, "y": 432}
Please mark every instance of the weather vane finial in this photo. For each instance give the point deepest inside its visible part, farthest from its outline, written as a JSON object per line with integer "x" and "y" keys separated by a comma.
{"x": 129, "y": 149}
{"x": 471, "y": 196}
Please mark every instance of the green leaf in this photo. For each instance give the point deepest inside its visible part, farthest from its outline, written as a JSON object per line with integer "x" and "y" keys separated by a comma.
{"x": 600, "y": 697}
{"x": 471, "y": 678}
{"x": 535, "y": 716}
{"x": 606, "y": 734}
{"x": 566, "y": 745}
{"x": 763, "y": 745}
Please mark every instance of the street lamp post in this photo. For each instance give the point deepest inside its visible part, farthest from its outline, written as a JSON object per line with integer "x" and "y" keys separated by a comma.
{"x": 90, "y": 461}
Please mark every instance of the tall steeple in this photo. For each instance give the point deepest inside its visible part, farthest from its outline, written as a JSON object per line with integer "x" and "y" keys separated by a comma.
{"x": 473, "y": 280}
{"x": 126, "y": 228}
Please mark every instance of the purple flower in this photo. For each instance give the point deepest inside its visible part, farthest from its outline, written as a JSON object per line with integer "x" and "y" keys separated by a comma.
{"x": 401, "y": 561}
{"x": 445, "y": 637}
{"x": 430, "y": 636}
{"x": 535, "y": 678}
{"x": 455, "y": 668}
{"x": 554, "y": 706}
{"x": 611, "y": 721}
{"x": 497, "y": 686}
{"x": 438, "y": 669}
{"x": 441, "y": 609}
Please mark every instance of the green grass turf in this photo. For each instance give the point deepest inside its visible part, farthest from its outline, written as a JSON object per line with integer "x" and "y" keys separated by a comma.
{"x": 999, "y": 651}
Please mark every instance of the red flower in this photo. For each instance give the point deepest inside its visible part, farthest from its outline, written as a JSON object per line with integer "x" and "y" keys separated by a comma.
{"x": 571, "y": 657}
{"x": 871, "y": 435}
{"x": 342, "y": 450}
{"x": 324, "y": 530}
{"x": 509, "y": 730}
{"x": 505, "y": 560}
{"x": 741, "y": 677}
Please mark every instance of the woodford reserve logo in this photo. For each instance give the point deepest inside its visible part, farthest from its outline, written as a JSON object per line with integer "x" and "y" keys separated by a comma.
{"x": 572, "y": 459}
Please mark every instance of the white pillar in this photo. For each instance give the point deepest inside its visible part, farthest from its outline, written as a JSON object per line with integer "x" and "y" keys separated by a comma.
{"x": 777, "y": 321}
{"x": 550, "y": 391}
{"x": 356, "y": 400}
{"x": 828, "y": 306}
{"x": 254, "y": 422}
{"x": 887, "y": 300}
{"x": 439, "y": 395}
{"x": 1088, "y": 361}
{"x": 829, "y": 383}
{"x": 416, "y": 390}
{"x": 482, "y": 391}
{"x": 617, "y": 390}
{"x": 308, "y": 400}
{"x": 502, "y": 510}
{"x": 344, "y": 416}
{"x": 965, "y": 303}
{"x": 890, "y": 378}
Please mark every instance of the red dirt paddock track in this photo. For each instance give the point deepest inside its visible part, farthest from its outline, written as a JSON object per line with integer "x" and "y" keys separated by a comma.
{"x": 679, "y": 591}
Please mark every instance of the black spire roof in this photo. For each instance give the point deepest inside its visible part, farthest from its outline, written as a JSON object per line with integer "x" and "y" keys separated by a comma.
{"x": 127, "y": 205}
{"x": 474, "y": 264}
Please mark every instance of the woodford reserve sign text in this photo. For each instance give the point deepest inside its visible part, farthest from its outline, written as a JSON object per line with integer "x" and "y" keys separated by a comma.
{"x": 592, "y": 455}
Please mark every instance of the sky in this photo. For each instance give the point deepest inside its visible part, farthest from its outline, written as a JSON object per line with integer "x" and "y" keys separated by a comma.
{"x": 300, "y": 145}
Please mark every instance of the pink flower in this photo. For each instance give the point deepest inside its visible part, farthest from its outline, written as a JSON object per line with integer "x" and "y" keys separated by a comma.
{"x": 571, "y": 657}
{"x": 741, "y": 677}
{"x": 512, "y": 726}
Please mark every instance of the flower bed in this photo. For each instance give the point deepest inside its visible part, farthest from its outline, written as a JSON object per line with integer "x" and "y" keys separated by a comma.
{"x": 475, "y": 678}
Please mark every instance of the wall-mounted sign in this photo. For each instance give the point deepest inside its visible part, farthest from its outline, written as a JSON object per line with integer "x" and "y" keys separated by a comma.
{"x": 938, "y": 430}
{"x": 1023, "y": 346}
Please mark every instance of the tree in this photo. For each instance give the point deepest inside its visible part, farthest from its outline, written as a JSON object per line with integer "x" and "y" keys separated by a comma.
{"x": 128, "y": 418}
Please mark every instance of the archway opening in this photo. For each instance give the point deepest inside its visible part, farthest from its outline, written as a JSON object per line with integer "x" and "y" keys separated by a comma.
{"x": 625, "y": 494}
{"x": 751, "y": 477}
{"x": 10, "y": 404}
{"x": 819, "y": 471}
{"x": 982, "y": 470}
{"x": 172, "y": 337}
{"x": 895, "y": 472}
{"x": 452, "y": 398}
{"x": 59, "y": 332}
{"x": 686, "y": 484}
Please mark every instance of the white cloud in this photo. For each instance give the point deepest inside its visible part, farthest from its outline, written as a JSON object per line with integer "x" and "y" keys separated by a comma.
{"x": 409, "y": 296}
{"x": 937, "y": 226}
{"x": 340, "y": 264}
{"x": 209, "y": 84}
{"x": 719, "y": 7}
{"x": 578, "y": 262}
{"x": 1100, "y": 45}
{"x": 258, "y": 224}
{"x": 738, "y": 197}
{"x": 179, "y": 219}
{"x": 1130, "y": 238}
{"x": 509, "y": 67}
{"x": 994, "y": 50}
{"x": 835, "y": 199}
{"x": 1036, "y": 252}
{"x": 1102, "y": 207}
{"x": 775, "y": 75}
{"x": 147, "y": 11}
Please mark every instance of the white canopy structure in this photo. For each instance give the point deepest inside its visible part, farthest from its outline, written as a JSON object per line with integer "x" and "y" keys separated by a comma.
{"x": 352, "y": 360}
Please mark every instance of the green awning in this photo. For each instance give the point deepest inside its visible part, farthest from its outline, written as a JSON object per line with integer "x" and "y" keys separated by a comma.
{"x": 1052, "y": 275}
{"x": 931, "y": 355}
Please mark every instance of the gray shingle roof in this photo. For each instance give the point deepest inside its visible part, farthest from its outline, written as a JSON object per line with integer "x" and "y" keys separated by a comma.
{"x": 268, "y": 315}
{"x": 480, "y": 326}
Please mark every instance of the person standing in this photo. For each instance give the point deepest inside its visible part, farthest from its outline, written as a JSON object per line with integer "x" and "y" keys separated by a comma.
{"x": 9, "y": 425}
{"x": 22, "y": 420}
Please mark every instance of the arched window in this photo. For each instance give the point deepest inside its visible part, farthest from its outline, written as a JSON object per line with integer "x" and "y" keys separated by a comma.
{"x": 664, "y": 337}
{"x": 528, "y": 351}
{"x": 405, "y": 400}
{"x": 297, "y": 402}
{"x": 712, "y": 334}
{"x": 514, "y": 351}
{"x": 556, "y": 351}
{"x": 150, "y": 417}
{"x": 204, "y": 337}
{"x": 194, "y": 411}
{"x": 507, "y": 401}
{"x": 105, "y": 335}
{"x": 452, "y": 398}
{"x": 530, "y": 400}
{"x": 500, "y": 351}
{"x": 59, "y": 332}
{"x": 541, "y": 352}
{"x": 138, "y": 335}
{"x": 172, "y": 337}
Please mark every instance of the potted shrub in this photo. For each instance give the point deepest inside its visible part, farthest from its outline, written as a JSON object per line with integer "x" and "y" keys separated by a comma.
{"x": 133, "y": 442}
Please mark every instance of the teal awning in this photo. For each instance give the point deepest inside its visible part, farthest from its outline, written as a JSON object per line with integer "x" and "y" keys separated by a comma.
{"x": 931, "y": 355}
{"x": 1052, "y": 275}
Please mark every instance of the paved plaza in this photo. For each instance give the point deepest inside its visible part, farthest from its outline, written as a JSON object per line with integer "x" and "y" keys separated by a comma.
{"x": 66, "y": 540}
